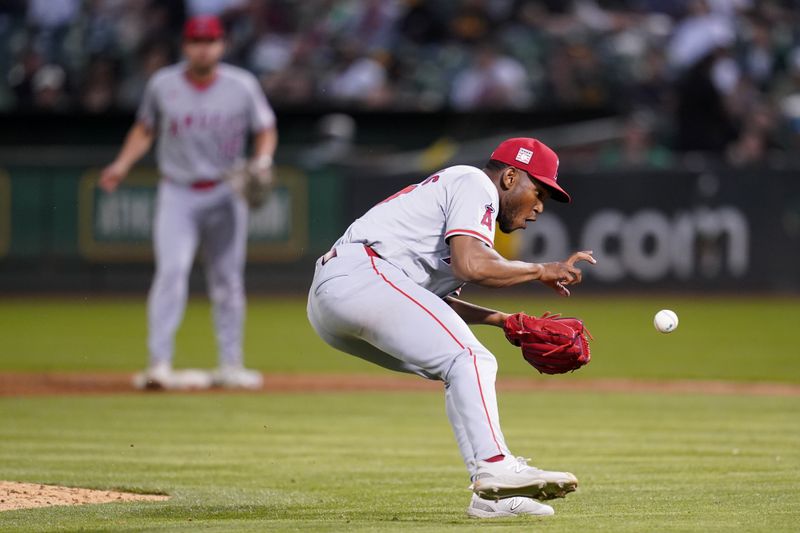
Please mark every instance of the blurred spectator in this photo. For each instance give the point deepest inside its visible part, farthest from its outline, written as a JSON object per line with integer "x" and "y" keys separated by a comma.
{"x": 51, "y": 20}
{"x": 151, "y": 58}
{"x": 787, "y": 97}
{"x": 421, "y": 24}
{"x": 755, "y": 140}
{"x": 576, "y": 78}
{"x": 492, "y": 81}
{"x": 335, "y": 137}
{"x": 357, "y": 79}
{"x": 49, "y": 89}
{"x": 703, "y": 121}
{"x": 220, "y": 8}
{"x": 98, "y": 93}
{"x": 698, "y": 35}
{"x": 638, "y": 147}
{"x": 20, "y": 77}
{"x": 471, "y": 22}
{"x": 703, "y": 67}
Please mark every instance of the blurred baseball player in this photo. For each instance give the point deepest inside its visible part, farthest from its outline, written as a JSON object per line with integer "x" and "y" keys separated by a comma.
{"x": 385, "y": 293}
{"x": 201, "y": 110}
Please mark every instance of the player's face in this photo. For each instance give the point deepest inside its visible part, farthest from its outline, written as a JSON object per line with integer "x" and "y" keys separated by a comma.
{"x": 522, "y": 202}
{"x": 203, "y": 54}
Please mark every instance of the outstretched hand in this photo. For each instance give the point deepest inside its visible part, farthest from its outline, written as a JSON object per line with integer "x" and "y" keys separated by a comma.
{"x": 112, "y": 176}
{"x": 559, "y": 275}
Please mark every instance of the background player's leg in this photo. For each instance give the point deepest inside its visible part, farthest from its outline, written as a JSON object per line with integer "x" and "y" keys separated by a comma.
{"x": 175, "y": 238}
{"x": 225, "y": 249}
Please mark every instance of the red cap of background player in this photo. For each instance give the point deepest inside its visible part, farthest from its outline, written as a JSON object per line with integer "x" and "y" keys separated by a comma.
{"x": 203, "y": 27}
{"x": 535, "y": 158}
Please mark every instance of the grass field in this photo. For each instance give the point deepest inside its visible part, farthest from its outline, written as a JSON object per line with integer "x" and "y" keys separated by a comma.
{"x": 387, "y": 461}
{"x": 724, "y": 338}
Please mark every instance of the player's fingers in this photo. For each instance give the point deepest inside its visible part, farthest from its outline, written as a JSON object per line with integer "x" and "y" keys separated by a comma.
{"x": 577, "y": 275}
{"x": 561, "y": 289}
{"x": 570, "y": 275}
{"x": 585, "y": 255}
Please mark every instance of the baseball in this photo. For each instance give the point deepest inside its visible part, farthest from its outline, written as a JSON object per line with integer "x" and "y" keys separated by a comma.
{"x": 666, "y": 321}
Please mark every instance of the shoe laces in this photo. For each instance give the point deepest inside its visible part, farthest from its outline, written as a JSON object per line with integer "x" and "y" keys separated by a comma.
{"x": 521, "y": 464}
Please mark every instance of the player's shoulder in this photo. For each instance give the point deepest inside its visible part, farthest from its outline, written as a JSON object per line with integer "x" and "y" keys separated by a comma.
{"x": 175, "y": 70}
{"x": 237, "y": 74}
{"x": 467, "y": 175}
{"x": 166, "y": 74}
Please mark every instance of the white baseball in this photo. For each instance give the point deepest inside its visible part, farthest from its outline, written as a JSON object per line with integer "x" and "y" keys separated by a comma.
{"x": 666, "y": 321}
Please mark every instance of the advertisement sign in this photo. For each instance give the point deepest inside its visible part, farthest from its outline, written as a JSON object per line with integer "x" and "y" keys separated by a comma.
{"x": 674, "y": 230}
{"x": 118, "y": 227}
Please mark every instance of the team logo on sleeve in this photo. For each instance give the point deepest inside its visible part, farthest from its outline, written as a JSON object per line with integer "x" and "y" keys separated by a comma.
{"x": 487, "y": 219}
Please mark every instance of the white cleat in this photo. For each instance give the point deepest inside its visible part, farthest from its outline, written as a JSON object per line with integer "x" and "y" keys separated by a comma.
{"x": 237, "y": 377}
{"x": 163, "y": 377}
{"x": 480, "y": 508}
{"x": 512, "y": 477}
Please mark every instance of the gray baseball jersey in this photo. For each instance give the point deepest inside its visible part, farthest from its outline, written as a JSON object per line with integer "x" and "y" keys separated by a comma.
{"x": 202, "y": 130}
{"x": 410, "y": 229}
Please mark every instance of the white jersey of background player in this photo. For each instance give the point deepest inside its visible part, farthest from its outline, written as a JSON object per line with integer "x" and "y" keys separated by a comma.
{"x": 385, "y": 293}
{"x": 202, "y": 112}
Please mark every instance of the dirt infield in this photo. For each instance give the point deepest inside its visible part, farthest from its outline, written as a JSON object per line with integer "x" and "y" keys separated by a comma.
{"x": 14, "y": 495}
{"x": 29, "y": 384}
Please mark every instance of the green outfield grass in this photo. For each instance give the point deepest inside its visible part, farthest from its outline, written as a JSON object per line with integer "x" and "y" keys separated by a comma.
{"x": 383, "y": 461}
{"x": 388, "y": 462}
{"x": 728, "y": 338}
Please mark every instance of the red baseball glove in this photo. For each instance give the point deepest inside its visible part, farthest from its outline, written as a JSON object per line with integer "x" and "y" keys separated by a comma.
{"x": 551, "y": 344}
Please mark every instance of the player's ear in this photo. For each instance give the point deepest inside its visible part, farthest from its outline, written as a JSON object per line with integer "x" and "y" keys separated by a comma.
{"x": 509, "y": 178}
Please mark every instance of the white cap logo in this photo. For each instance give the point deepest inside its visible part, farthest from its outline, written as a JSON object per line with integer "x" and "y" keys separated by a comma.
{"x": 524, "y": 156}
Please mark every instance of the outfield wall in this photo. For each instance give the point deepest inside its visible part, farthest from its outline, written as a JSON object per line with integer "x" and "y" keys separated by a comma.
{"x": 714, "y": 230}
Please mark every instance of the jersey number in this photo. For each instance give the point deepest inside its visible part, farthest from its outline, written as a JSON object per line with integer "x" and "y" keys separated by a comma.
{"x": 431, "y": 179}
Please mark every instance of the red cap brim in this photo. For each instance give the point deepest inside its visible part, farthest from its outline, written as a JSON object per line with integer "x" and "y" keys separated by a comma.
{"x": 556, "y": 192}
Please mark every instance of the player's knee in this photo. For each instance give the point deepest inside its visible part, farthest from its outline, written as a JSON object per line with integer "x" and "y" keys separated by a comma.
{"x": 226, "y": 291}
{"x": 485, "y": 361}
{"x": 173, "y": 274}
{"x": 472, "y": 359}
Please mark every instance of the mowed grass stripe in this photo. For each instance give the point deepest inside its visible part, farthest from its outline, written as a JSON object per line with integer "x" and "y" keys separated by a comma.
{"x": 748, "y": 338}
{"x": 375, "y": 462}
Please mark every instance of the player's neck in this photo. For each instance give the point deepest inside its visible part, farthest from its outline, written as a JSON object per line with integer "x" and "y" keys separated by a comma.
{"x": 201, "y": 78}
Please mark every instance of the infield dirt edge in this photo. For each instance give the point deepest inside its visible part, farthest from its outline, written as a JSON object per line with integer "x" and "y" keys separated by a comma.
{"x": 67, "y": 383}
{"x": 15, "y": 495}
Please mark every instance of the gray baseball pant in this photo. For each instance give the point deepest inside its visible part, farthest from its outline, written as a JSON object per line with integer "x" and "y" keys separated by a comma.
{"x": 184, "y": 219}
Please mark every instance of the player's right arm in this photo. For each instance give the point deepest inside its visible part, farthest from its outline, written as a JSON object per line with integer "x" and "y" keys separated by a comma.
{"x": 137, "y": 143}
{"x": 140, "y": 137}
{"x": 474, "y": 262}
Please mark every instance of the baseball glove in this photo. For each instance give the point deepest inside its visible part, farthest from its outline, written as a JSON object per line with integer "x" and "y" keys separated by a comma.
{"x": 252, "y": 181}
{"x": 551, "y": 344}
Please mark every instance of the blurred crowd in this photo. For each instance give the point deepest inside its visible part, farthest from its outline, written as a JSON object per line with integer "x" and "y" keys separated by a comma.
{"x": 713, "y": 75}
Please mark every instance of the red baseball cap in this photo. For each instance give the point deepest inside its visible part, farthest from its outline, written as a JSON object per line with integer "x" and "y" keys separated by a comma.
{"x": 203, "y": 27}
{"x": 535, "y": 158}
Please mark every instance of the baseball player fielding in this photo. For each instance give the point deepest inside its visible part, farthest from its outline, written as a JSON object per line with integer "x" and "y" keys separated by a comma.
{"x": 387, "y": 292}
{"x": 202, "y": 111}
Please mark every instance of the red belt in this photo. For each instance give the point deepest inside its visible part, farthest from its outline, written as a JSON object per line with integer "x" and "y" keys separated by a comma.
{"x": 330, "y": 255}
{"x": 204, "y": 185}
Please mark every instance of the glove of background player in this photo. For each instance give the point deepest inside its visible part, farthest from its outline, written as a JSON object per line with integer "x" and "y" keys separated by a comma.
{"x": 252, "y": 180}
{"x": 551, "y": 344}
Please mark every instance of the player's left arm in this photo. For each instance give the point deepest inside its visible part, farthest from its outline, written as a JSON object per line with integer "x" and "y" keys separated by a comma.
{"x": 475, "y": 314}
{"x": 263, "y": 124}
{"x": 264, "y": 144}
